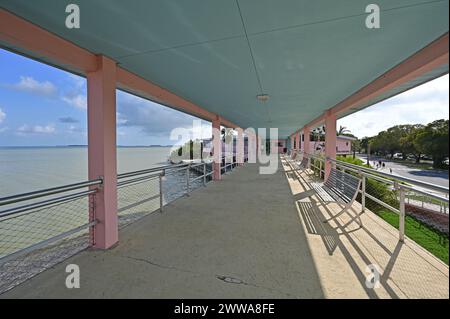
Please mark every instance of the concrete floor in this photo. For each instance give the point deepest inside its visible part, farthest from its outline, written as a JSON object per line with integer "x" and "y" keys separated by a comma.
{"x": 249, "y": 236}
{"x": 237, "y": 238}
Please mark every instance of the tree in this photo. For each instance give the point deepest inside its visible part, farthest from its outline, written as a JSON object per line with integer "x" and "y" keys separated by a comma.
{"x": 364, "y": 144}
{"x": 342, "y": 131}
{"x": 356, "y": 147}
{"x": 389, "y": 142}
{"x": 433, "y": 140}
{"x": 407, "y": 143}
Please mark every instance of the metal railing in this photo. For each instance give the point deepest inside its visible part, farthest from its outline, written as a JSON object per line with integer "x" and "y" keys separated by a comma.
{"x": 386, "y": 194}
{"x": 228, "y": 165}
{"x": 17, "y": 207}
{"x": 37, "y": 219}
{"x": 41, "y": 228}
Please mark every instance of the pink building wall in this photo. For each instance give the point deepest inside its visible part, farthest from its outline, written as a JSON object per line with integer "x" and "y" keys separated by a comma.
{"x": 343, "y": 145}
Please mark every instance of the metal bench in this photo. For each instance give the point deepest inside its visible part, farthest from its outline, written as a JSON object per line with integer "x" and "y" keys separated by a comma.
{"x": 302, "y": 166}
{"x": 340, "y": 187}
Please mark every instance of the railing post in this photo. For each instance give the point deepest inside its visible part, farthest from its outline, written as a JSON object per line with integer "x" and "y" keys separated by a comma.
{"x": 401, "y": 227}
{"x": 363, "y": 192}
{"x": 204, "y": 174}
{"x": 161, "y": 191}
{"x": 187, "y": 180}
{"x": 320, "y": 169}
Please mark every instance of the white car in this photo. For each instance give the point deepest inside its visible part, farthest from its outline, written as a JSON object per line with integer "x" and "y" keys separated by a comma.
{"x": 398, "y": 156}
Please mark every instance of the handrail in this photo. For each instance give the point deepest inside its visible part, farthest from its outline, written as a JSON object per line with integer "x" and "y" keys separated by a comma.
{"x": 45, "y": 203}
{"x": 377, "y": 174}
{"x": 400, "y": 178}
{"x": 49, "y": 191}
{"x": 391, "y": 179}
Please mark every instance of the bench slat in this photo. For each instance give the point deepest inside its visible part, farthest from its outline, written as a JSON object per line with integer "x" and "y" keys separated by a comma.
{"x": 341, "y": 186}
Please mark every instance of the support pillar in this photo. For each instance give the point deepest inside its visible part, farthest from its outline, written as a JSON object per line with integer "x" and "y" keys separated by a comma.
{"x": 240, "y": 146}
{"x": 330, "y": 141}
{"x": 101, "y": 110}
{"x": 217, "y": 149}
{"x": 297, "y": 138}
{"x": 306, "y": 139}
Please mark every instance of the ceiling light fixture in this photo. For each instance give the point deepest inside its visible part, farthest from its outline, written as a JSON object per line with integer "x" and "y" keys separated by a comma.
{"x": 262, "y": 97}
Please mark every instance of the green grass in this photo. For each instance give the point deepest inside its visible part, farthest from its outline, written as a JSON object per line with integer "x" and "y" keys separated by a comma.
{"x": 428, "y": 238}
{"x": 350, "y": 160}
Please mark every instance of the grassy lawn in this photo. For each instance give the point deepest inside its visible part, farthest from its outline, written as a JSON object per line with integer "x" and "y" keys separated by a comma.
{"x": 423, "y": 235}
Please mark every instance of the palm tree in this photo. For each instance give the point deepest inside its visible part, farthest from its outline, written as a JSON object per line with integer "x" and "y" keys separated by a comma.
{"x": 342, "y": 130}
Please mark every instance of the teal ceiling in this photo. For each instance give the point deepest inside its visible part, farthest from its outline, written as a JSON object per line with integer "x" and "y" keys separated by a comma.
{"x": 307, "y": 55}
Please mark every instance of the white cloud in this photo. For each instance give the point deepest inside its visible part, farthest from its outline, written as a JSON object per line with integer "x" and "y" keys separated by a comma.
{"x": 2, "y": 115}
{"x": 150, "y": 118}
{"x": 36, "y": 129}
{"x": 30, "y": 85}
{"x": 423, "y": 105}
{"x": 76, "y": 96}
{"x": 77, "y": 100}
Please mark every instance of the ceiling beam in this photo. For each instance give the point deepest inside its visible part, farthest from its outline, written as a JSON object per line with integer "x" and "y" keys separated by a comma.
{"x": 46, "y": 47}
{"x": 426, "y": 60}
{"x": 21, "y": 34}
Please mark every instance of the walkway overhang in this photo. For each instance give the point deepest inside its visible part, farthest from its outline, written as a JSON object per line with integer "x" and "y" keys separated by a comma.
{"x": 212, "y": 58}
{"x": 35, "y": 42}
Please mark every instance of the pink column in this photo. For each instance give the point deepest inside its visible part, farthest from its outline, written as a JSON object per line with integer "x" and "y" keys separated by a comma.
{"x": 101, "y": 91}
{"x": 306, "y": 142}
{"x": 330, "y": 141}
{"x": 294, "y": 142}
{"x": 297, "y": 138}
{"x": 217, "y": 148}
{"x": 240, "y": 146}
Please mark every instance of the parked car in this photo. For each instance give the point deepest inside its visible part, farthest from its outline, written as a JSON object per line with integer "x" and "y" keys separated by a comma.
{"x": 446, "y": 162}
{"x": 398, "y": 156}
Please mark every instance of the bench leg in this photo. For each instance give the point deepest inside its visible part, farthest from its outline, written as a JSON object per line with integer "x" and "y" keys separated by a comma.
{"x": 347, "y": 207}
{"x": 357, "y": 218}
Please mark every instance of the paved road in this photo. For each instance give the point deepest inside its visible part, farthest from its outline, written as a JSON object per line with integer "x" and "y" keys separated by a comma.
{"x": 438, "y": 177}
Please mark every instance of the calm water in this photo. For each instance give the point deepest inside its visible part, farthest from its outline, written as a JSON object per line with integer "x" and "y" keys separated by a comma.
{"x": 28, "y": 169}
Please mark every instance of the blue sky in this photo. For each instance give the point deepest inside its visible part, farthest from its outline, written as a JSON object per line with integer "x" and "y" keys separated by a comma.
{"x": 44, "y": 106}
